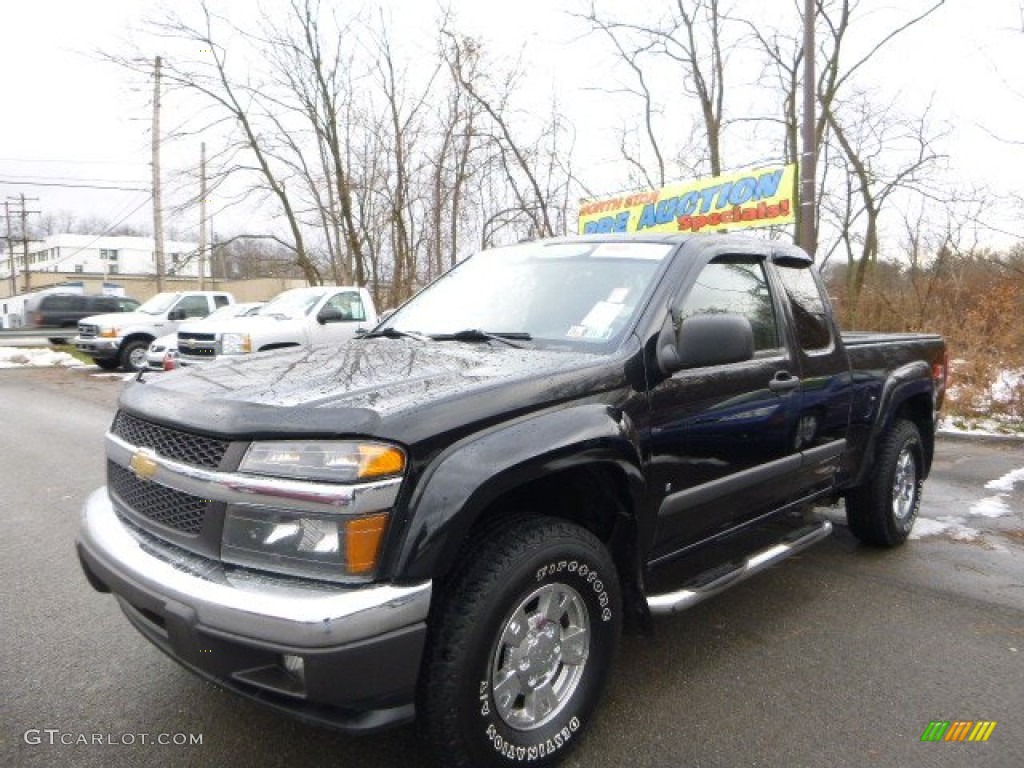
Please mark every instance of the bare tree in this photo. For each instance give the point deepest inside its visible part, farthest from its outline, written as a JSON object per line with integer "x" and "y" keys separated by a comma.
{"x": 518, "y": 167}
{"x": 691, "y": 37}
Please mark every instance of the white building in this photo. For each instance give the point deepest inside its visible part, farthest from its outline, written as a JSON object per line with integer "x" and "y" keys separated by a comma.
{"x": 104, "y": 255}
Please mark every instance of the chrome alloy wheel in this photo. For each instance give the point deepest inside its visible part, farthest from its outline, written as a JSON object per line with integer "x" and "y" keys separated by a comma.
{"x": 904, "y": 485}
{"x": 137, "y": 358}
{"x": 540, "y": 656}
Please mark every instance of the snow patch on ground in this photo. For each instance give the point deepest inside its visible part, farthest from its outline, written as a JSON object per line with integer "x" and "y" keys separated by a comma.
{"x": 34, "y": 357}
{"x": 981, "y": 427}
{"x": 1007, "y": 481}
{"x": 120, "y": 376}
{"x": 992, "y": 506}
{"x": 1007, "y": 385}
{"x": 925, "y": 527}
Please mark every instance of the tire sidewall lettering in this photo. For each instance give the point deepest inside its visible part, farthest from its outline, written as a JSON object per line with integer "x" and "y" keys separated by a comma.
{"x": 585, "y": 571}
{"x": 536, "y": 751}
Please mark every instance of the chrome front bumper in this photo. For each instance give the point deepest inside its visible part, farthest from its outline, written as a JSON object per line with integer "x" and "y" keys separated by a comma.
{"x": 97, "y": 344}
{"x": 292, "y": 612}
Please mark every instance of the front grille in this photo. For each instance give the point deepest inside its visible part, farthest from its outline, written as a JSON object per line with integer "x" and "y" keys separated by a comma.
{"x": 88, "y": 331}
{"x": 204, "y": 352}
{"x": 170, "y": 443}
{"x": 166, "y": 506}
{"x": 197, "y": 344}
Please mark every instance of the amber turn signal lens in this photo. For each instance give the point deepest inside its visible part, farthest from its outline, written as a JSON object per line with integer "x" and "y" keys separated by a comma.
{"x": 362, "y": 542}
{"x": 380, "y": 461}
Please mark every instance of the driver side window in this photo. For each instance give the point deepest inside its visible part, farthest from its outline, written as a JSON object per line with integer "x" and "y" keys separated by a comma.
{"x": 350, "y": 306}
{"x": 738, "y": 287}
{"x": 194, "y": 306}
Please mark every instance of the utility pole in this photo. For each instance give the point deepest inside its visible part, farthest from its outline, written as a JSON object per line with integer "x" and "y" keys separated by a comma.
{"x": 202, "y": 216}
{"x": 158, "y": 215}
{"x": 10, "y": 250}
{"x": 23, "y": 215}
{"x": 213, "y": 257}
{"x": 806, "y": 237}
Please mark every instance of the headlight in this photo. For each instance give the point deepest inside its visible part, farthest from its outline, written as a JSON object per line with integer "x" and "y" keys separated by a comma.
{"x": 108, "y": 333}
{"x": 235, "y": 344}
{"x": 330, "y": 545}
{"x": 332, "y": 461}
{"x": 334, "y": 547}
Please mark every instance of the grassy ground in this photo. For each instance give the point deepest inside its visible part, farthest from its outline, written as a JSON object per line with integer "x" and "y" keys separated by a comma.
{"x": 70, "y": 349}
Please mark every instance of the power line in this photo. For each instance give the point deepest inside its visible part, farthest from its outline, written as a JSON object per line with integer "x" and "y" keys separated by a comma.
{"x": 54, "y": 161}
{"x": 71, "y": 186}
{"x": 75, "y": 179}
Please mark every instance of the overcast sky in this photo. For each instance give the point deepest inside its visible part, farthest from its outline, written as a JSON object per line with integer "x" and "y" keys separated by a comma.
{"x": 70, "y": 119}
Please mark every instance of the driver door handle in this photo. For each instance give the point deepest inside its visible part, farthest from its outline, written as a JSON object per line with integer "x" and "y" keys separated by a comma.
{"x": 784, "y": 381}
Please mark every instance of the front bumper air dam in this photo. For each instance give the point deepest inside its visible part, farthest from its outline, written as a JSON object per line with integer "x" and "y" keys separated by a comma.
{"x": 97, "y": 348}
{"x": 361, "y": 647}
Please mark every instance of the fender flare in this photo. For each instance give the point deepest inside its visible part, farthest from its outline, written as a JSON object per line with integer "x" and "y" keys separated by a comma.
{"x": 472, "y": 473}
{"x": 905, "y": 382}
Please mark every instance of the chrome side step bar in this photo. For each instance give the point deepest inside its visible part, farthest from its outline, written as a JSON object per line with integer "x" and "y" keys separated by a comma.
{"x": 673, "y": 602}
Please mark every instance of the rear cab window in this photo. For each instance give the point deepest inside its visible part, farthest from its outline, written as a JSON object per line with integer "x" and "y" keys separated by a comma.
{"x": 807, "y": 306}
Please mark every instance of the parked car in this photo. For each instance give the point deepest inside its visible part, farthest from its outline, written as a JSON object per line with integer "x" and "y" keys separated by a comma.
{"x": 452, "y": 517}
{"x": 300, "y": 317}
{"x": 122, "y": 340}
{"x": 162, "y": 353}
{"x": 64, "y": 310}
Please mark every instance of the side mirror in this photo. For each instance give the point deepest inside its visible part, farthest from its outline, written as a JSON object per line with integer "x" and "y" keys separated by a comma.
{"x": 329, "y": 315}
{"x": 704, "y": 340}
{"x": 176, "y": 314}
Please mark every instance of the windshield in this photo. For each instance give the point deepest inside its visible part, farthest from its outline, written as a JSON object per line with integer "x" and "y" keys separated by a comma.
{"x": 579, "y": 294}
{"x": 158, "y": 304}
{"x": 294, "y": 303}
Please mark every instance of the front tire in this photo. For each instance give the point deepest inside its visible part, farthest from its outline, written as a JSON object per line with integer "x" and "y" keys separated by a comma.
{"x": 521, "y": 646}
{"x": 133, "y": 355}
{"x": 883, "y": 510}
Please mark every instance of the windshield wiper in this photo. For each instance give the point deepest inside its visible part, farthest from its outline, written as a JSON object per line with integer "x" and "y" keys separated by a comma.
{"x": 475, "y": 334}
{"x": 393, "y": 333}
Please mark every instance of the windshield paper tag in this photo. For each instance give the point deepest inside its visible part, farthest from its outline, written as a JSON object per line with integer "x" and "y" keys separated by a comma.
{"x": 597, "y": 324}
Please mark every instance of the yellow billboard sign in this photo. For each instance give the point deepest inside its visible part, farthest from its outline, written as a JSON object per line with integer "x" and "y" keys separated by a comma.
{"x": 740, "y": 200}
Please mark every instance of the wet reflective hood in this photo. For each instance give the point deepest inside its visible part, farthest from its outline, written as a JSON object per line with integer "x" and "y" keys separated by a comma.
{"x": 404, "y": 390}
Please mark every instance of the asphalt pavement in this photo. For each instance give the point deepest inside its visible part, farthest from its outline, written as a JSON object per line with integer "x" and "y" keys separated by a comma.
{"x": 838, "y": 657}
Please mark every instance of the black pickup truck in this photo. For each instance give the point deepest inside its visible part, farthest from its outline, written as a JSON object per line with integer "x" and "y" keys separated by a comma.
{"x": 452, "y": 517}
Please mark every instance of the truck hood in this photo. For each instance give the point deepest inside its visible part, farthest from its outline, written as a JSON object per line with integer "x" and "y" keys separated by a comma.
{"x": 122, "y": 319}
{"x": 251, "y": 324}
{"x": 397, "y": 389}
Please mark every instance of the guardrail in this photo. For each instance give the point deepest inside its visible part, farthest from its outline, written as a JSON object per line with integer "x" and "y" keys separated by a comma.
{"x": 35, "y": 333}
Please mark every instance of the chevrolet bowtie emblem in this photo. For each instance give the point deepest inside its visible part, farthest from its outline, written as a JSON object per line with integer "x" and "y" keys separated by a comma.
{"x": 144, "y": 465}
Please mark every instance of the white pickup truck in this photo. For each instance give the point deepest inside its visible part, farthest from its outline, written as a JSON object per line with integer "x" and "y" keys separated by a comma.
{"x": 121, "y": 339}
{"x": 301, "y": 317}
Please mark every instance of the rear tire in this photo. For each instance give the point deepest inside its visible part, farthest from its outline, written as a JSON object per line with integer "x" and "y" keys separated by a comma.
{"x": 520, "y": 647}
{"x": 883, "y": 510}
